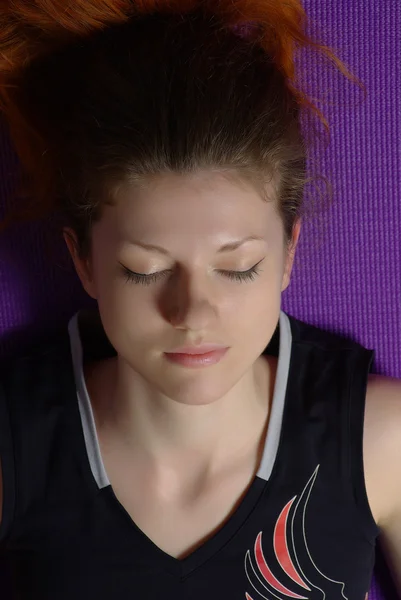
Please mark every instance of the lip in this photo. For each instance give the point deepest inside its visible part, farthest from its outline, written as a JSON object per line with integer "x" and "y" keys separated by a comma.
{"x": 197, "y": 360}
{"x": 197, "y": 350}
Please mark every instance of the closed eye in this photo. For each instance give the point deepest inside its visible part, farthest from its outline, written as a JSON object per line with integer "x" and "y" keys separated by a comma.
{"x": 143, "y": 279}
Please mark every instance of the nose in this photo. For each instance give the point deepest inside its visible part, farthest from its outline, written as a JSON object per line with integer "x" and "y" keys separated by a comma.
{"x": 189, "y": 302}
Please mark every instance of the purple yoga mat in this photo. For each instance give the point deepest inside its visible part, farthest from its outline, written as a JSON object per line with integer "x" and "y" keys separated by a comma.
{"x": 347, "y": 272}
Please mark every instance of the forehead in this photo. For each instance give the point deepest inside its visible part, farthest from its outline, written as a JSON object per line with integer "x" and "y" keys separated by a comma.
{"x": 202, "y": 204}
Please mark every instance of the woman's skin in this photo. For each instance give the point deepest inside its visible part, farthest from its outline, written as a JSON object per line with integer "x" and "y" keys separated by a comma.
{"x": 164, "y": 410}
{"x": 183, "y": 429}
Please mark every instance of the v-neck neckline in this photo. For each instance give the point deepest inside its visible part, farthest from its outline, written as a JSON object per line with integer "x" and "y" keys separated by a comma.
{"x": 96, "y": 477}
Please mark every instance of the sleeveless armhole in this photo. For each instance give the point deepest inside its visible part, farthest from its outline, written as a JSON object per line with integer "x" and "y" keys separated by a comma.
{"x": 7, "y": 468}
{"x": 355, "y": 414}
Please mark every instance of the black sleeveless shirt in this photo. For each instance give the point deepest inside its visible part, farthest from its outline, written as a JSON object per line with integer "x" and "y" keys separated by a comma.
{"x": 303, "y": 530}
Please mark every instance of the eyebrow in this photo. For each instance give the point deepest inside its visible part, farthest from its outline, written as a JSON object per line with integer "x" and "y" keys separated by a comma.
{"x": 225, "y": 248}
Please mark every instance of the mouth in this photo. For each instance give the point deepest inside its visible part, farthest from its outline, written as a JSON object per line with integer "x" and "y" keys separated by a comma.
{"x": 203, "y": 359}
{"x": 198, "y": 350}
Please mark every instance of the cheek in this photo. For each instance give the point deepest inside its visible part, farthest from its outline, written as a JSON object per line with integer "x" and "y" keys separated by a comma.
{"x": 127, "y": 310}
{"x": 256, "y": 314}
{"x": 132, "y": 312}
{"x": 132, "y": 333}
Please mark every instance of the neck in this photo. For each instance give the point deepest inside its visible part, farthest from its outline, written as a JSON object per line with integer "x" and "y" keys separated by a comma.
{"x": 167, "y": 433}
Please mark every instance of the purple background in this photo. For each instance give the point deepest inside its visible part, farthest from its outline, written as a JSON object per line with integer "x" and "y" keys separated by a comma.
{"x": 347, "y": 272}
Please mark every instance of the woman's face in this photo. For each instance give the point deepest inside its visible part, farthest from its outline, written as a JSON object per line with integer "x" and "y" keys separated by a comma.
{"x": 186, "y": 294}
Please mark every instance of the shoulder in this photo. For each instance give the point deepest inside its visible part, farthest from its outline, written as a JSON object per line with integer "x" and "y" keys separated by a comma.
{"x": 33, "y": 384}
{"x": 383, "y": 404}
{"x": 36, "y": 363}
{"x": 382, "y": 463}
{"x": 382, "y": 445}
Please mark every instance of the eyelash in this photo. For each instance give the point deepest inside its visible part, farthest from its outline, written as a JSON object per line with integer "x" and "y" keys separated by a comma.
{"x": 240, "y": 276}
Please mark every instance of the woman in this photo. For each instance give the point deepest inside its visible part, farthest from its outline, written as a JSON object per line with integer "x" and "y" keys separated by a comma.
{"x": 189, "y": 439}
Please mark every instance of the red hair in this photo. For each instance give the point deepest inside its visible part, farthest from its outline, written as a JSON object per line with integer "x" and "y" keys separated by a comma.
{"x": 30, "y": 30}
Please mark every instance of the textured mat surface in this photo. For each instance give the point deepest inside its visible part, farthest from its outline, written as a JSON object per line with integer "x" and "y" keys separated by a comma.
{"x": 347, "y": 274}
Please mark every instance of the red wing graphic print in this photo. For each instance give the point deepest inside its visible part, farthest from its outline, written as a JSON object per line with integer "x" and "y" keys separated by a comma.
{"x": 289, "y": 541}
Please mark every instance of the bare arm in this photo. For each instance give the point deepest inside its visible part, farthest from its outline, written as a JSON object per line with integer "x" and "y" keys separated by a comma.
{"x": 382, "y": 453}
{"x": 391, "y": 545}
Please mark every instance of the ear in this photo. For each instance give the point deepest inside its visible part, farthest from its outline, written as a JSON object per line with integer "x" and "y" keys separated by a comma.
{"x": 291, "y": 255}
{"x": 82, "y": 266}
